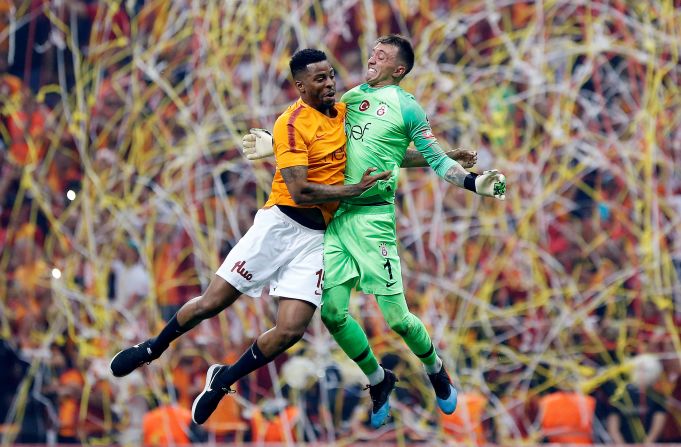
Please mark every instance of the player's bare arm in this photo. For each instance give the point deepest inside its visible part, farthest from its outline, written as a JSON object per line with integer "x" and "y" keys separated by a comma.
{"x": 304, "y": 192}
{"x": 456, "y": 175}
{"x": 414, "y": 159}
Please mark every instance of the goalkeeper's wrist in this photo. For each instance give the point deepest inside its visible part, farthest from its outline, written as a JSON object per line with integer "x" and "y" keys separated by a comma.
{"x": 469, "y": 181}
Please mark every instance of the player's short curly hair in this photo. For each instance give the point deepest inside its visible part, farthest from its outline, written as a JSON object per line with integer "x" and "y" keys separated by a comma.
{"x": 303, "y": 58}
{"x": 404, "y": 49}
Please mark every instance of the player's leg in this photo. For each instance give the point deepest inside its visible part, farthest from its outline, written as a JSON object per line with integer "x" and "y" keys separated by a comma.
{"x": 413, "y": 332}
{"x": 347, "y": 332}
{"x": 347, "y": 249}
{"x": 298, "y": 281}
{"x": 374, "y": 248}
{"x": 353, "y": 341}
{"x": 340, "y": 276}
{"x": 293, "y": 317}
{"x": 219, "y": 295}
{"x": 246, "y": 269}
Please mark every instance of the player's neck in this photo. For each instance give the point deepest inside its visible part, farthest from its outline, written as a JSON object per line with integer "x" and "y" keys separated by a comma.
{"x": 331, "y": 111}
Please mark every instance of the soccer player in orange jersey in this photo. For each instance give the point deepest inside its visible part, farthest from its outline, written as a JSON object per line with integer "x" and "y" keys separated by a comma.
{"x": 284, "y": 247}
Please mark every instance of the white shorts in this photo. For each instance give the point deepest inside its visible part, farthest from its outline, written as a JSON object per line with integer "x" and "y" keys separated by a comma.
{"x": 280, "y": 252}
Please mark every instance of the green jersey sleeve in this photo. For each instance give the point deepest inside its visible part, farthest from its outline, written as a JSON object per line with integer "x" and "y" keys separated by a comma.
{"x": 419, "y": 131}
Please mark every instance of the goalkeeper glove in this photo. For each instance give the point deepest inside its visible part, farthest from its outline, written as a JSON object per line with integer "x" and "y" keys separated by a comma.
{"x": 490, "y": 183}
{"x": 257, "y": 144}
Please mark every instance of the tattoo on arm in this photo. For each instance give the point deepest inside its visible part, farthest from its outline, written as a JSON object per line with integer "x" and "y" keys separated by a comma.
{"x": 456, "y": 175}
{"x": 294, "y": 177}
{"x": 413, "y": 159}
{"x": 304, "y": 192}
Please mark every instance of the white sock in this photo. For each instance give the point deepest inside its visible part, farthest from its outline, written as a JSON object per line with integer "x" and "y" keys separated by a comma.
{"x": 435, "y": 367}
{"x": 376, "y": 377}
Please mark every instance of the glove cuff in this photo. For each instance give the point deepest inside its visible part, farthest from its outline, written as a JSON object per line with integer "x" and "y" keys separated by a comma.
{"x": 469, "y": 181}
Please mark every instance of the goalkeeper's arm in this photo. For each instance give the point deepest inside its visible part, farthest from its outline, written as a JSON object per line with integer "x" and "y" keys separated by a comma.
{"x": 257, "y": 144}
{"x": 415, "y": 159}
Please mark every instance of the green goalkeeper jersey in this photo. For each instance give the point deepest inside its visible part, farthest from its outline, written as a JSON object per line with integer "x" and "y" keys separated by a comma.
{"x": 379, "y": 125}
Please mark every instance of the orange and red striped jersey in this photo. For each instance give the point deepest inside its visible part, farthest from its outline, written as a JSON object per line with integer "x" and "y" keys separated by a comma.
{"x": 303, "y": 136}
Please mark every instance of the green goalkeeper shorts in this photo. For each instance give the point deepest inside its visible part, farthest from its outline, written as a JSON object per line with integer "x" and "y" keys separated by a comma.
{"x": 360, "y": 243}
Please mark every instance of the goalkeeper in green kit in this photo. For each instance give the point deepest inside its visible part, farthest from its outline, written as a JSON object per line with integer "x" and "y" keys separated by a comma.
{"x": 360, "y": 244}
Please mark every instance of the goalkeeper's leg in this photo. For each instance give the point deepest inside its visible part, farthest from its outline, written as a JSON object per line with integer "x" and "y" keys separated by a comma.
{"x": 346, "y": 331}
{"x": 354, "y": 342}
{"x": 413, "y": 332}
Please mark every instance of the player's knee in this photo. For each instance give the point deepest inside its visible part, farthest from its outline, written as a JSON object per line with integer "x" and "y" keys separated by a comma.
{"x": 206, "y": 307}
{"x": 333, "y": 319}
{"x": 212, "y": 302}
{"x": 402, "y": 326}
{"x": 290, "y": 336}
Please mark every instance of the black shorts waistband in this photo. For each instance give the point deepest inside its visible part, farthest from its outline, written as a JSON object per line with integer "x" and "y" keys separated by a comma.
{"x": 311, "y": 218}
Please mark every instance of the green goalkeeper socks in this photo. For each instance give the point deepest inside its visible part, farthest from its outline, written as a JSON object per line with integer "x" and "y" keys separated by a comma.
{"x": 345, "y": 329}
{"x": 408, "y": 326}
{"x": 353, "y": 340}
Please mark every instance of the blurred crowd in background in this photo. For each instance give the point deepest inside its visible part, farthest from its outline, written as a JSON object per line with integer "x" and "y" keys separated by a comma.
{"x": 122, "y": 187}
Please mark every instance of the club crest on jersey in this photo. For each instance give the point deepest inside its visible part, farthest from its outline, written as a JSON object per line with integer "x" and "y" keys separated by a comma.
{"x": 384, "y": 249}
{"x": 381, "y": 110}
{"x": 364, "y": 105}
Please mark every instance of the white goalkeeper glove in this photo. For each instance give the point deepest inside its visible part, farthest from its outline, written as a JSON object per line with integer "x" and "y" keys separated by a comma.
{"x": 490, "y": 183}
{"x": 257, "y": 144}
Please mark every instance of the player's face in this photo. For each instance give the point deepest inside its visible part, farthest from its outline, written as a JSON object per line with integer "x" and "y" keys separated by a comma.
{"x": 317, "y": 86}
{"x": 384, "y": 66}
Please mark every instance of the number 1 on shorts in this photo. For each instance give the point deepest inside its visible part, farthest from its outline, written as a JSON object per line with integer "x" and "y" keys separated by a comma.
{"x": 389, "y": 267}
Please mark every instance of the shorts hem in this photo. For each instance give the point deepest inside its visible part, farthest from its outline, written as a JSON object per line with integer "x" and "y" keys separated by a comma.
{"x": 328, "y": 284}
{"x": 299, "y": 297}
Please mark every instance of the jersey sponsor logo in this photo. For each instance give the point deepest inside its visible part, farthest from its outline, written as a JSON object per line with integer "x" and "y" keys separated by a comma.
{"x": 390, "y": 284}
{"x": 337, "y": 155}
{"x": 356, "y": 132}
{"x": 239, "y": 266}
{"x": 364, "y": 105}
{"x": 384, "y": 249}
{"x": 381, "y": 110}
